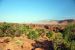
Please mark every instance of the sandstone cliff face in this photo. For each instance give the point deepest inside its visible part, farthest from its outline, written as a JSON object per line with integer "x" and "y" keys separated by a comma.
{"x": 52, "y": 25}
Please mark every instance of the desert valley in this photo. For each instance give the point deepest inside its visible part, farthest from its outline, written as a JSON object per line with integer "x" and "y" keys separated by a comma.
{"x": 49, "y": 35}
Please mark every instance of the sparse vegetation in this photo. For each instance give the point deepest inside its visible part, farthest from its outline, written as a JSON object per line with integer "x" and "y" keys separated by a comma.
{"x": 33, "y": 35}
{"x": 61, "y": 40}
{"x": 49, "y": 34}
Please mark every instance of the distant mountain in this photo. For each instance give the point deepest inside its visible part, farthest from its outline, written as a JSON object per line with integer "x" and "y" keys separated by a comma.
{"x": 67, "y": 20}
{"x": 51, "y": 22}
{"x": 56, "y": 22}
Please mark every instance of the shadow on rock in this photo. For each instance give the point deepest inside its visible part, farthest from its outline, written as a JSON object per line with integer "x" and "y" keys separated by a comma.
{"x": 45, "y": 45}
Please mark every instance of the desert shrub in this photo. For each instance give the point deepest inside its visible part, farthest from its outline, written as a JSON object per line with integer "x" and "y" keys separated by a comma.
{"x": 8, "y": 29}
{"x": 33, "y": 35}
{"x": 24, "y": 29}
{"x": 57, "y": 39}
{"x": 69, "y": 37}
{"x": 69, "y": 32}
{"x": 72, "y": 45}
{"x": 19, "y": 42}
{"x": 3, "y": 27}
{"x": 49, "y": 34}
{"x": 62, "y": 47}
{"x": 12, "y": 30}
{"x": 1, "y": 35}
{"x": 42, "y": 32}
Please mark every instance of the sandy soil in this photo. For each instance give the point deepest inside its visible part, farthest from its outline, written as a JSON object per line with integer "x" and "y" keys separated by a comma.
{"x": 18, "y": 43}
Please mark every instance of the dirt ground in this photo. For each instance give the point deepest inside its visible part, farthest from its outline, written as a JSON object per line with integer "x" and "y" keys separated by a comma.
{"x": 17, "y": 43}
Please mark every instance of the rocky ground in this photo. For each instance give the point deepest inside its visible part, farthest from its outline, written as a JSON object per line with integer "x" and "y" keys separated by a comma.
{"x": 18, "y": 43}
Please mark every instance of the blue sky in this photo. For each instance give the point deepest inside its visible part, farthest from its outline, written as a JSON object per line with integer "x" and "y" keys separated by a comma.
{"x": 36, "y": 10}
